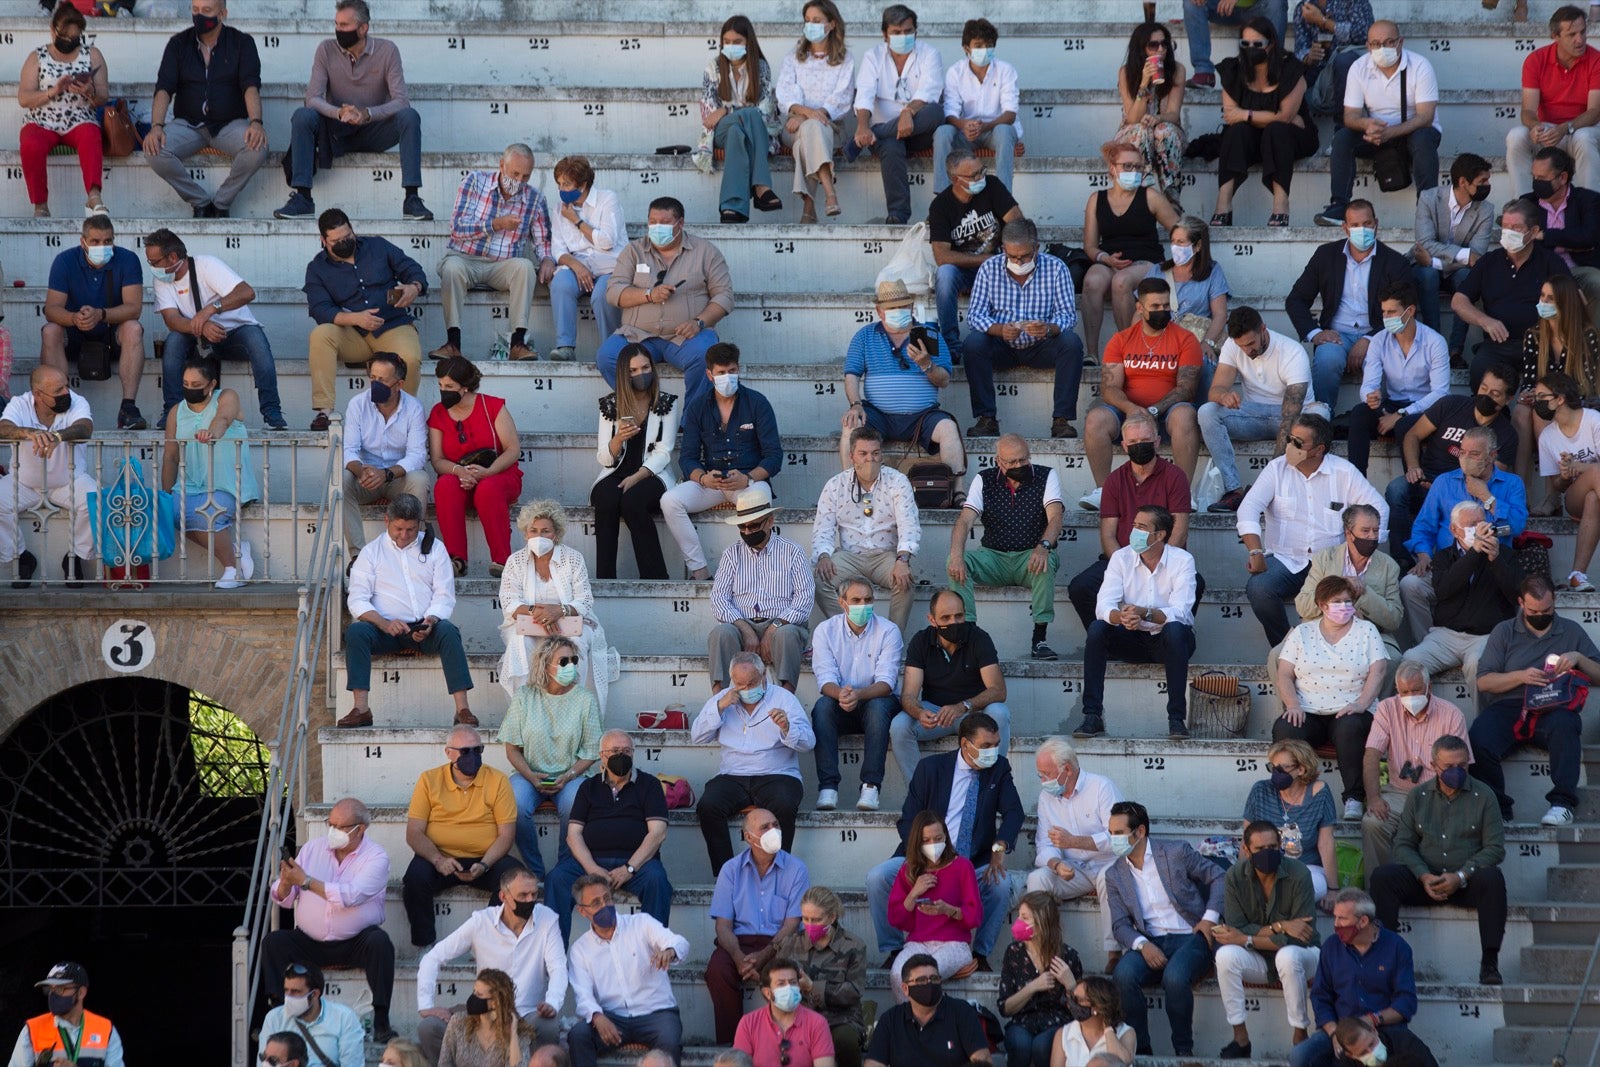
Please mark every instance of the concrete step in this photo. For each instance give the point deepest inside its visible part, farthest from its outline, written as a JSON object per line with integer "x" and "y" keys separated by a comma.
{"x": 1545, "y": 1043}
{"x": 1557, "y": 963}
{"x": 1576, "y": 882}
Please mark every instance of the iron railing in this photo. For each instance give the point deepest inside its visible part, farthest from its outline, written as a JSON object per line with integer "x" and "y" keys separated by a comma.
{"x": 1560, "y": 1059}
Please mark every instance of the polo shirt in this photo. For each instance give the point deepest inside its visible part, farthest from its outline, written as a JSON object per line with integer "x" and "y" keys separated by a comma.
{"x": 462, "y": 822}
{"x": 85, "y": 285}
{"x": 950, "y": 1038}
{"x": 1452, "y": 417}
{"x": 1150, "y": 364}
{"x": 1123, "y": 495}
{"x": 1509, "y": 293}
{"x": 1563, "y": 93}
{"x": 759, "y": 904}
{"x": 807, "y": 1040}
{"x": 950, "y": 678}
{"x": 1514, "y": 647}
{"x": 1351, "y": 982}
{"x": 892, "y": 382}
{"x": 1368, "y": 88}
{"x": 616, "y": 825}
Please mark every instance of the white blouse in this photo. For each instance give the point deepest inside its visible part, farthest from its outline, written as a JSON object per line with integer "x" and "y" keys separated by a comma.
{"x": 812, "y": 82}
{"x": 602, "y": 211}
{"x": 1330, "y": 677}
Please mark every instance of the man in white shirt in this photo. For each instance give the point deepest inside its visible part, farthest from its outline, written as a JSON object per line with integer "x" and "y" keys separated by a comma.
{"x": 1303, "y": 495}
{"x": 856, "y": 657}
{"x": 897, "y": 105}
{"x": 980, "y": 105}
{"x": 331, "y": 1030}
{"x": 1391, "y": 97}
{"x": 1144, "y": 614}
{"x": 49, "y": 423}
{"x": 385, "y": 442}
{"x": 1273, "y": 376}
{"x": 586, "y": 234}
{"x": 520, "y": 937}
{"x": 1072, "y": 845}
{"x": 867, "y": 526}
{"x": 206, "y": 307}
{"x": 620, "y": 985}
{"x": 1454, "y": 225}
{"x": 402, "y": 592}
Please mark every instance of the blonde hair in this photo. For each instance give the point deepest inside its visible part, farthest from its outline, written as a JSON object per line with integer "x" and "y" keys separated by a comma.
{"x": 1302, "y": 753}
{"x": 548, "y": 649}
{"x": 826, "y": 899}
{"x": 503, "y": 1003}
{"x": 535, "y": 510}
{"x": 410, "y": 1055}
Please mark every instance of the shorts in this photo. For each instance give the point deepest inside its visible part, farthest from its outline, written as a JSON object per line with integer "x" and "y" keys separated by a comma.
{"x": 1161, "y": 420}
{"x": 200, "y": 517}
{"x": 902, "y": 427}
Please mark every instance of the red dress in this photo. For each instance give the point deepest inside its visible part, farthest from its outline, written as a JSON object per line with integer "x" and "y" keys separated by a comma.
{"x": 492, "y": 497}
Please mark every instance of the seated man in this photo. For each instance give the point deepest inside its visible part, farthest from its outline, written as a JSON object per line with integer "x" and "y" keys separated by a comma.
{"x": 401, "y": 597}
{"x": 930, "y": 1029}
{"x": 730, "y": 440}
{"x": 206, "y": 307}
{"x": 336, "y": 884}
{"x": 761, "y": 729}
{"x": 964, "y": 222}
{"x": 50, "y": 422}
{"x": 983, "y": 830}
{"x": 95, "y": 296}
{"x": 761, "y": 597}
{"x": 1560, "y": 95}
{"x": 1152, "y": 367}
{"x": 756, "y": 902}
{"x": 1163, "y": 923}
{"x": 1507, "y": 282}
{"x": 1356, "y": 1040}
{"x": 333, "y": 1028}
{"x": 898, "y": 86}
{"x": 1302, "y": 496}
{"x": 1454, "y": 226}
{"x": 620, "y": 966}
{"x": 1448, "y": 850}
{"x": 1517, "y": 657}
{"x": 285, "y": 1048}
{"x": 1364, "y": 970}
{"x": 892, "y": 383}
{"x": 856, "y": 657}
{"x": 1571, "y": 220}
{"x": 867, "y": 526}
{"x": 1021, "y": 526}
{"x": 1269, "y": 910}
{"x": 385, "y": 441}
{"x": 355, "y": 102}
{"x": 674, "y": 317}
{"x": 1350, "y": 289}
{"x": 1274, "y": 379}
{"x": 1406, "y": 371}
{"x": 1072, "y": 847}
{"x": 499, "y": 238}
{"x": 980, "y": 105}
{"x": 617, "y": 827}
{"x": 1143, "y": 614}
{"x": 769, "y": 1031}
{"x": 359, "y": 291}
{"x": 1022, "y": 313}
{"x": 1197, "y": 20}
{"x": 457, "y": 840}
{"x": 952, "y": 670}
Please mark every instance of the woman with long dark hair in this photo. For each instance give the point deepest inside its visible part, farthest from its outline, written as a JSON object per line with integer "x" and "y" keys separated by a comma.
{"x": 638, "y": 432}
{"x": 738, "y": 106}
{"x": 1563, "y": 340}
{"x": 1151, "y": 87}
{"x": 1266, "y": 120}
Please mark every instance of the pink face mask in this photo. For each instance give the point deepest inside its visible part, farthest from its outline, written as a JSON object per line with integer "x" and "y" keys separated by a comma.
{"x": 816, "y": 931}
{"x": 1340, "y": 612}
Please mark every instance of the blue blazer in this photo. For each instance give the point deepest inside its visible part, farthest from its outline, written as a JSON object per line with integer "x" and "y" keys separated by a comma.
{"x": 1194, "y": 883}
{"x": 997, "y": 796}
{"x": 1581, "y": 234}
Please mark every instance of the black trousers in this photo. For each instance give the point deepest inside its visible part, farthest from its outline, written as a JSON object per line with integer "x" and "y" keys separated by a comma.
{"x": 728, "y": 794}
{"x": 1275, "y": 147}
{"x": 1364, "y": 427}
{"x": 1349, "y": 737}
{"x": 422, "y": 883}
{"x": 638, "y": 507}
{"x": 1393, "y": 884}
{"x": 371, "y": 950}
{"x": 1084, "y": 590}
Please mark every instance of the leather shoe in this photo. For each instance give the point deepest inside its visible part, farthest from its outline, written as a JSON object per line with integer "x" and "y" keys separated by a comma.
{"x": 521, "y": 352}
{"x": 1489, "y": 974}
{"x": 357, "y": 717}
{"x": 1235, "y": 1051}
{"x": 1062, "y": 428}
{"x": 319, "y": 423}
{"x": 464, "y": 717}
{"x": 985, "y": 426}
{"x": 27, "y": 564}
{"x": 444, "y": 351}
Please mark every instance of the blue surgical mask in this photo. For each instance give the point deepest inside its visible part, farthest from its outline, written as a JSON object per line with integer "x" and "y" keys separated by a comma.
{"x": 1121, "y": 844}
{"x": 974, "y": 188}
{"x": 161, "y": 275}
{"x": 1453, "y": 777}
{"x": 733, "y": 53}
{"x": 1053, "y": 787}
{"x": 605, "y": 918}
{"x": 816, "y": 32}
{"x": 571, "y": 196}
{"x": 99, "y": 255}
{"x": 1545, "y": 310}
{"x": 987, "y": 757}
{"x": 660, "y": 233}
{"x": 1363, "y": 237}
{"x": 981, "y": 56}
{"x": 753, "y": 696}
{"x": 566, "y": 674}
{"x": 1181, "y": 254}
{"x": 1394, "y": 323}
{"x": 786, "y": 998}
{"x": 1139, "y": 540}
{"x": 902, "y": 43}
{"x": 898, "y": 318}
{"x": 1130, "y": 179}
{"x": 860, "y": 614}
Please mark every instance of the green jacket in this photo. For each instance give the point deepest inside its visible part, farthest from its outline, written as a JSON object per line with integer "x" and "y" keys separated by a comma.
{"x": 1443, "y": 835}
{"x": 1247, "y": 909}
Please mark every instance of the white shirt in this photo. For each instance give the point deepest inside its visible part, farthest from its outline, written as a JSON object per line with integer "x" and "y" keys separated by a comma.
{"x": 751, "y": 742}
{"x": 840, "y": 656}
{"x": 1585, "y": 446}
{"x": 1329, "y": 677}
{"x": 1307, "y": 514}
{"x": 1169, "y": 588}
{"x": 217, "y": 280}
{"x": 377, "y": 440}
{"x": 1077, "y": 1050}
{"x": 965, "y": 97}
{"x": 813, "y": 82}
{"x": 1351, "y": 316}
{"x": 1266, "y": 378}
{"x": 534, "y": 958}
{"x": 965, "y": 778}
{"x": 22, "y": 1053}
{"x": 36, "y": 473}
{"x": 885, "y": 92}
{"x": 1160, "y": 916}
{"x": 617, "y": 976}
{"x": 1052, "y": 491}
{"x": 1368, "y": 88}
{"x": 398, "y": 583}
{"x": 894, "y": 523}
{"x": 1083, "y": 814}
{"x": 603, "y": 212}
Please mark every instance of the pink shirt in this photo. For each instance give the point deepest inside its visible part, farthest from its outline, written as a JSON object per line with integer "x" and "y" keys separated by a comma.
{"x": 354, "y": 890}
{"x": 1404, "y": 737}
{"x": 1555, "y": 218}
{"x": 808, "y": 1036}
{"x": 958, "y": 885}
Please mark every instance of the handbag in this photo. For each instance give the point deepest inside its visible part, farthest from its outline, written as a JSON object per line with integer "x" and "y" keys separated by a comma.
{"x": 1569, "y": 690}
{"x": 672, "y": 717}
{"x": 96, "y": 359}
{"x": 1532, "y": 551}
{"x": 481, "y": 457}
{"x": 1391, "y": 163}
{"x": 1077, "y": 262}
{"x": 566, "y": 626}
{"x": 133, "y": 525}
{"x": 1219, "y": 706}
{"x": 677, "y": 790}
{"x": 117, "y": 135}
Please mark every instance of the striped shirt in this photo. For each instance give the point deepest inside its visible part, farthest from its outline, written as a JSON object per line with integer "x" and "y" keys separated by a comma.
{"x": 774, "y": 583}
{"x": 894, "y": 383}
{"x": 1046, "y": 296}
{"x": 479, "y": 202}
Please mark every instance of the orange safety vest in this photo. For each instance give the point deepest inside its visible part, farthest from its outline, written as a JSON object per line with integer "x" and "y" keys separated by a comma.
{"x": 93, "y": 1041}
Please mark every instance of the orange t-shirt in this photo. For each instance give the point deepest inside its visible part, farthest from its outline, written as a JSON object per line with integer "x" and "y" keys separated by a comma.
{"x": 1150, "y": 365}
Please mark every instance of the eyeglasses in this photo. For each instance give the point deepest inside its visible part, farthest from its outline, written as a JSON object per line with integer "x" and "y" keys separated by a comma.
{"x": 465, "y": 751}
{"x": 1255, "y": 46}
{"x": 271, "y": 1061}
{"x": 567, "y": 661}
{"x": 1155, "y": 46}
{"x": 970, "y": 179}
{"x": 349, "y": 828}
{"x": 1290, "y": 769}
{"x": 751, "y": 527}
{"x": 1387, "y": 42}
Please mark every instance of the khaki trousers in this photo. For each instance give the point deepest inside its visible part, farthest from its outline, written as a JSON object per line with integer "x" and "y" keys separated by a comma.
{"x": 332, "y": 345}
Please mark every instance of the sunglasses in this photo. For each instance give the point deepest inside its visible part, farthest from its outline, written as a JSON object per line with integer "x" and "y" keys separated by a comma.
{"x": 1155, "y": 46}
{"x": 866, "y": 505}
{"x": 461, "y": 433}
{"x": 1280, "y": 767}
{"x": 1254, "y": 46}
{"x": 1301, "y": 445}
{"x": 270, "y": 1061}
{"x": 567, "y": 661}
{"x": 468, "y": 750}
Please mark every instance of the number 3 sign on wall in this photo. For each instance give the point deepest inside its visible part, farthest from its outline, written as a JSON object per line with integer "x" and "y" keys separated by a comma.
{"x": 128, "y": 646}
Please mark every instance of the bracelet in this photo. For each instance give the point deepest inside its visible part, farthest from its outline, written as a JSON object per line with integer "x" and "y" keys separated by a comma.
{"x": 255, "y": 122}
{"x": 159, "y": 125}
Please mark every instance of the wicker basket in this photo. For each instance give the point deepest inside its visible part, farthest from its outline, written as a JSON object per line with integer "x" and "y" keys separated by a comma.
{"x": 1219, "y": 706}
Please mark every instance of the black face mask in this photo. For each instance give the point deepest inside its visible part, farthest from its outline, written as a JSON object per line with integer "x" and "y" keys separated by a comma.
{"x": 1544, "y": 409}
{"x": 1079, "y": 1012}
{"x": 1021, "y": 475}
{"x": 347, "y": 38}
{"x": 1252, "y": 57}
{"x": 449, "y": 397}
{"x": 67, "y": 45}
{"x": 1541, "y": 622}
{"x": 642, "y": 382}
{"x": 1365, "y": 546}
{"x": 194, "y": 396}
{"x": 60, "y": 404}
{"x": 754, "y": 538}
{"x": 381, "y": 392}
{"x": 1267, "y": 861}
{"x": 477, "y": 1005}
{"x": 620, "y": 765}
{"x": 1481, "y": 194}
{"x": 1141, "y": 452}
{"x": 62, "y": 1003}
{"x": 1544, "y": 188}
{"x": 955, "y": 633}
{"x": 928, "y": 994}
{"x": 344, "y": 248}
{"x": 523, "y": 909}
{"x": 206, "y": 23}
{"x": 1158, "y": 320}
{"x": 1485, "y": 405}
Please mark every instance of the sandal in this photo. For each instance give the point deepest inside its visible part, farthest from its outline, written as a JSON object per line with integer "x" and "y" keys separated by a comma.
{"x": 768, "y": 201}
{"x": 831, "y": 207}
{"x": 1222, "y": 218}
{"x": 1278, "y": 219}
{"x": 808, "y": 213}
{"x": 733, "y": 217}
{"x": 459, "y": 566}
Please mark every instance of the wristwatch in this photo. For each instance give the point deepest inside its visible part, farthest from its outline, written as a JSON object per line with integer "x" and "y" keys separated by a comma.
{"x": 388, "y": 475}
{"x": 216, "y": 305}
{"x": 1047, "y": 544}
{"x": 967, "y": 704}
{"x": 631, "y": 868}
{"x": 1153, "y": 409}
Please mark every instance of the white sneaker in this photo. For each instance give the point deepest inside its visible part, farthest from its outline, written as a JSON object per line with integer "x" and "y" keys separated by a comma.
{"x": 869, "y": 798}
{"x": 247, "y": 565}
{"x": 1578, "y": 582}
{"x": 229, "y": 579}
{"x": 1090, "y": 501}
{"x": 827, "y": 799}
{"x": 1352, "y": 810}
{"x": 1557, "y": 816}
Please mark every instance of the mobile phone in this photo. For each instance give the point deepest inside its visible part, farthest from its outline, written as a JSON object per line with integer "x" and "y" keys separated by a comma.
{"x": 549, "y": 781}
{"x": 920, "y": 337}
{"x": 631, "y": 420}
{"x": 395, "y": 294}
{"x": 421, "y": 626}
{"x": 287, "y": 852}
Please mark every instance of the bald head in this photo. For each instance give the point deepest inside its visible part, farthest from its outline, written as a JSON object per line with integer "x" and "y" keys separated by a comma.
{"x": 464, "y": 737}
{"x": 549, "y": 1056}
{"x": 348, "y": 812}
{"x": 615, "y": 738}
{"x": 46, "y": 379}
{"x": 757, "y": 822}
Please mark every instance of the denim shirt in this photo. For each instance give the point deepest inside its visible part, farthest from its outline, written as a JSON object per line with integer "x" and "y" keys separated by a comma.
{"x": 750, "y": 439}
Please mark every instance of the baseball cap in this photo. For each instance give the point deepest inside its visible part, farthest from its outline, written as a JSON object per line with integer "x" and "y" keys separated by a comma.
{"x": 65, "y": 973}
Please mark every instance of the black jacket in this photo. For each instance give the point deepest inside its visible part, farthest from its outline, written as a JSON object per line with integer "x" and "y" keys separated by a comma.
{"x": 930, "y": 791}
{"x": 1580, "y": 237}
{"x": 1324, "y": 277}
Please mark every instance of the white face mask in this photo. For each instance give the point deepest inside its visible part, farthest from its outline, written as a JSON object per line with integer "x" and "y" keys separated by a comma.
{"x": 1512, "y": 240}
{"x": 933, "y": 851}
{"x": 772, "y": 840}
{"x": 1181, "y": 254}
{"x": 295, "y": 1007}
{"x": 541, "y": 546}
{"x": 338, "y": 838}
{"x": 1386, "y": 57}
{"x": 1415, "y": 703}
{"x": 725, "y": 384}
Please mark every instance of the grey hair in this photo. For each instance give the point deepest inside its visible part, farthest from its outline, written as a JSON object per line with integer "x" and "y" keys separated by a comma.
{"x": 1102, "y": 1059}
{"x": 1530, "y": 214}
{"x": 1359, "y": 900}
{"x": 955, "y": 159}
{"x": 1060, "y": 751}
{"x": 1449, "y": 743}
{"x": 405, "y": 508}
{"x": 745, "y": 659}
{"x": 358, "y": 810}
{"x": 1463, "y": 507}
{"x": 1484, "y": 434}
{"x": 519, "y": 150}
{"x": 1360, "y": 511}
{"x": 853, "y": 581}
{"x": 363, "y": 12}
{"x": 1411, "y": 670}
{"x": 1143, "y": 418}
{"x": 733, "y": 1057}
{"x": 535, "y": 510}
{"x": 661, "y": 1058}
{"x": 1020, "y": 232}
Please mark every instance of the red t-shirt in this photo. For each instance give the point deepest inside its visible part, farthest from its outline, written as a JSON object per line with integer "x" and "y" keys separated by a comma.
{"x": 1150, "y": 366}
{"x": 1563, "y": 93}
{"x": 1122, "y": 496}
{"x": 477, "y": 427}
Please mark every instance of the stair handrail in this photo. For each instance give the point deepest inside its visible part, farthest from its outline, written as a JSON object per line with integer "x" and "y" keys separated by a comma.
{"x": 1560, "y": 1059}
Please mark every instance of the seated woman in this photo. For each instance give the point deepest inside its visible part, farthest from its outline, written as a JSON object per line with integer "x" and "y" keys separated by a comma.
{"x": 1199, "y": 293}
{"x": 1265, "y": 119}
{"x": 638, "y": 432}
{"x": 218, "y": 476}
{"x": 489, "y": 1033}
{"x": 1563, "y": 341}
{"x": 738, "y": 106}
{"x": 473, "y": 446}
{"x": 816, "y": 86}
{"x": 61, "y": 89}
{"x": 1036, "y": 979}
{"x": 552, "y": 738}
{"x": 1573, "y": 432}
{"x": 934, "y": 899}
{"x": 1301, "y": 808}
{"x": 402, "y": 1053}
{"x": 1096, "y": 1027}
{"x": 833, "y": 970}
{"x": 1120, "y": 235}
{"x": 586, "y": 233}
{"x": 1329, "y": 672}
{"x": 1150, "y": 84}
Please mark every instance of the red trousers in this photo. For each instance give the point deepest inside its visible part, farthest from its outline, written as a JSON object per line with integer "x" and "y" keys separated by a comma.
{"x": 36, "y": 142}
{"x": 727, "y": 988}
{"x": 492, "y": 497}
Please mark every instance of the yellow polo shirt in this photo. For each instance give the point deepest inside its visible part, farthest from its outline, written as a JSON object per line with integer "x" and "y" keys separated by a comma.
{"x": 462, "y": 821}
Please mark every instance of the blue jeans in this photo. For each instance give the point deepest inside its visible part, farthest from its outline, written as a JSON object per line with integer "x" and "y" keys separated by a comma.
{"x": 742, "y": 136}
{"x": 1430, "y": 283}
{"x": 1197, "y": 27}
{"x": 564, "y": 296}
{"x": 1269, "y": 592}
{"x": 403, "y": 128}
{"x": 1188, "y": 959}
{"x": 1328, "y": 362}
{"x": 649, "y": 883}
{"x": 362, "y": 641}
{"x": 1348, "y": 146}
{"x": 872, "y": 718}
{"x": 1173, "y": 646}
{"x": 1404, "y": 500}
{"x": 248, "y": 343}
{"x": 949, "y": 282}
{"x": 1220, "y": 427}
{"x": 1025, "y": 1049}
{"x": 905, "y": 733}
{"x": 996, "y": 898}
{"x": 660, "y": 1029}
{"x": 1063, "y": 352}
{"x": 947, "y": 139}
{"x": 689, "y": 357}
{"x": 528, "y": 801}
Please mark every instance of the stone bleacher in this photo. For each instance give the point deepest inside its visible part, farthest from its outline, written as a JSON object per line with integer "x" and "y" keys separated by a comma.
{"x": 593, "y": 78}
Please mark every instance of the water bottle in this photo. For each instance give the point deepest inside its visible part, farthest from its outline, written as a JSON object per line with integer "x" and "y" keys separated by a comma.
{"x": 501, "y": 349}
{"x": 1291, "y": 839}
